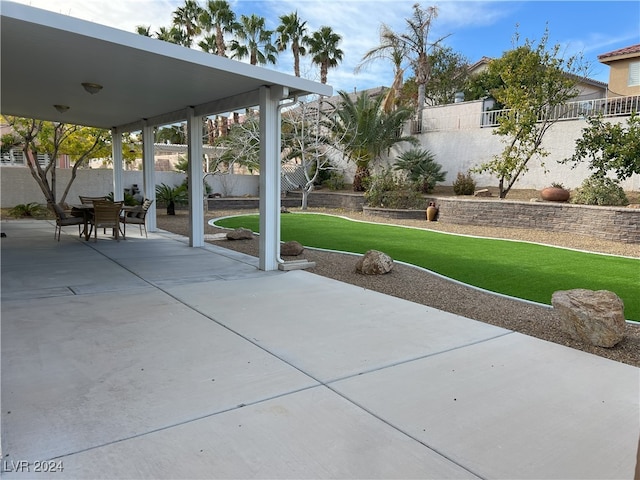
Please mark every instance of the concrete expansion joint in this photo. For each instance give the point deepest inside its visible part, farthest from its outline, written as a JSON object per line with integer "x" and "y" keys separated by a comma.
{"x": 420, "y": 357}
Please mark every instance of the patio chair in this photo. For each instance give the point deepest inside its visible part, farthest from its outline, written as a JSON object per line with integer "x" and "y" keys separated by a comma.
{"x": 89, "y": 200}
{"x": 106, "y": 214}
{"x": 136, "y": 216}
{"x": 64, "y": 220}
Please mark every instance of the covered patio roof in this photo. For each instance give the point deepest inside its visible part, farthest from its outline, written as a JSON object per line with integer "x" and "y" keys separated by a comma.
{"x": 47, "y": 56}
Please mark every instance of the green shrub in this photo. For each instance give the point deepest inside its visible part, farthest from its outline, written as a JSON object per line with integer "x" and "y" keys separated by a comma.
{"x": 323, "y": 175}
{"x": 464, "y": 184}
{"x": 129, "y": 199}
{"x": 421, "y": 168}
{"x": 599, "y": 190}
{"x": 335, "y": 181}
{"x": 32, "y": 209}
{"x": 166, "y": 194}
{"x": 393, "y": 191}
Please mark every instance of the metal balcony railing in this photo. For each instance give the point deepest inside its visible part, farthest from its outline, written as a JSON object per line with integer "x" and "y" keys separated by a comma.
{"x": 607, "y": 107}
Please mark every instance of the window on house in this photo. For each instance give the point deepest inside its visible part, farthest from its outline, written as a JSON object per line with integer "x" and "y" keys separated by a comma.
{"x": 634, "y": 74}
{"x": 15, "y": 156}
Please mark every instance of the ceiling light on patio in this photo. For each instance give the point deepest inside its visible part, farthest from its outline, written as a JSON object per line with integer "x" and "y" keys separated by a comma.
{"x": 61, "y": 108}
{"x": 92, "y": 88}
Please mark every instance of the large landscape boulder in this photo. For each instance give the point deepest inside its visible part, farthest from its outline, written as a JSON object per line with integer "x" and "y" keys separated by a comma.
{"x": 374, "y": 262}
{"x": 291, "y": 248}
{"x": 595, "y": 317}
{"x": 240, "y": 234}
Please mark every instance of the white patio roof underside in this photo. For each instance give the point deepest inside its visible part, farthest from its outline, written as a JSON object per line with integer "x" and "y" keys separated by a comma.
{"x": 146, "y": 82}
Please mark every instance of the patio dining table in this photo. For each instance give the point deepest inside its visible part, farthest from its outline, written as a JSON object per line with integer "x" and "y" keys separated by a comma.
{"x": 86, "y": 210}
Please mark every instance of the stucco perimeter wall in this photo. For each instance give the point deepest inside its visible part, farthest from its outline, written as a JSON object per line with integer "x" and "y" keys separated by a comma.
{"x": 610, "y": 223}
{"x": 234, "y": 185}
{"x": 454, "y": 135}
{"x": 18, "y": 186}
{"x": 346, "y": 201}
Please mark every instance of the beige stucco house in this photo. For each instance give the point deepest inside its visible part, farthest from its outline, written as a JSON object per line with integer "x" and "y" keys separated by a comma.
{"x": 624, "y": 70}
{"x": 588, "y": 89}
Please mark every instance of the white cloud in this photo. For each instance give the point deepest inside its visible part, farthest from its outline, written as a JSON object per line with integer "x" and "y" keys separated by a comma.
{"x": 121, "y": 14}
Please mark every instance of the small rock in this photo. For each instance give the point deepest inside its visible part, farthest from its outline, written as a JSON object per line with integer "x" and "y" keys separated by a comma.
{"x": 240, "y": 234}
{"x": 374, "y": 262}
{"x": 595, "y": 317}
{"x": 291, "y": 248}
{"x": 482, "y": 193}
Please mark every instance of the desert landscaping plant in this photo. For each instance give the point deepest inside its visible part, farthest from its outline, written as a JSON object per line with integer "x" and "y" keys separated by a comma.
{"x": 32, "y": 209}
{"x": 365, "y": 131}
{"x": 421, "y": 168}
{"x": 171, "y": 196}
{"x": 390, "y": 190}
{"x": 464, "y": 184}
{"x": 129, "y": 199}
{"x": 600, "y": 190}
{"x": 609, "y": 147}
{"x": 335, "y": 181}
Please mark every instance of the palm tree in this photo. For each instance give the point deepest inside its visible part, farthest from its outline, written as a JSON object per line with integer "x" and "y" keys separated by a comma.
{"x": 323, "y": 45}
{"x": 171, "y": 35}
{"x": 390, "y": 48}
{"x": 257, "y": 46}
{"x": 143, "y": 30}
{"x": 365, "y": 130}
{"x": 208, "y": 44}
{"x": 416, "y": 45}
{"x": 219, "y": 16}
{"x": 186, "y": 18}
{"x": 291, "y": 30}
{"x": 421, "y": 168}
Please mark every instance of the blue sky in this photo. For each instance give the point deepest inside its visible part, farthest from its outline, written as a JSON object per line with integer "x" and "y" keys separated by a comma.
{"x": 476, "y": 28}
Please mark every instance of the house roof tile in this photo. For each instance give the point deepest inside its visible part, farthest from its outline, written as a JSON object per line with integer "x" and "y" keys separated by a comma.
{"x": 622, "y": 51}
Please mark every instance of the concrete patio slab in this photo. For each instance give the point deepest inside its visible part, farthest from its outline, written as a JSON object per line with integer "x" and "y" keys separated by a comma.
{"x": 513, "y": 407}
{"x": 88, "y": 370}
{"x": 304, "y": 435}
{"x": 330, "y": 329}
{"x": 34, "y": 264}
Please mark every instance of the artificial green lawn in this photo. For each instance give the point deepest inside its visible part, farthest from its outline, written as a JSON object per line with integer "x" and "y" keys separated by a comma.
{"x": 518, "y": 269}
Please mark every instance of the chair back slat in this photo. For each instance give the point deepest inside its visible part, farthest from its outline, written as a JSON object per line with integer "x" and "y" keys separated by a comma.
{"x": 89, "y": 200}
{"x": 106, "y": 214}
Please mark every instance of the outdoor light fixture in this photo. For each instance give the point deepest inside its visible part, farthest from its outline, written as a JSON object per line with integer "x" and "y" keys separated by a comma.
{"x": 92, "y": 88}
{"x": 61, "y": 108}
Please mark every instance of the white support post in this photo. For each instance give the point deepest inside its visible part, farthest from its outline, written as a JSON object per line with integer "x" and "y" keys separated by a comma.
{"x": 196, "y": 195}
{"x": 149, "y": 175}
{"x": 116, "y": 153}
{"x": 269, "y": 178}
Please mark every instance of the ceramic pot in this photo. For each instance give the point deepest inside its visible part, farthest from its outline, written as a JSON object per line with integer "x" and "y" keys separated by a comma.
{"x": 432, "y": 212}
{"x": 555, "y": 194}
